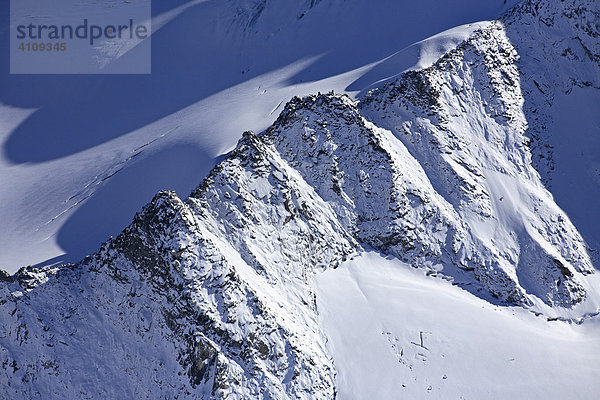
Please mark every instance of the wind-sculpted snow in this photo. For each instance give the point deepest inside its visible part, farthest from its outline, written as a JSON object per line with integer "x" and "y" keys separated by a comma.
{"x": 212, "y": 297}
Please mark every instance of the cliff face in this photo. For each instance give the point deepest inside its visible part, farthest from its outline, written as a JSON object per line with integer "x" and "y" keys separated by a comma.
{"x": 559, "y": 52}
{"x": 463, "y": 120}
{"x": 211, "y": 296}
{"x": 559, "y": 48}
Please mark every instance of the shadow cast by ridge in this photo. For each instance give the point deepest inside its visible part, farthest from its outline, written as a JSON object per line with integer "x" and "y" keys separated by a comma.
{"x": 103, "y": 215}
{"x": 196, "y": 55}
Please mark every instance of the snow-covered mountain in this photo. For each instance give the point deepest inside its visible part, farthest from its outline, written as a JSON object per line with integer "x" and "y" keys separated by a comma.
{"x": 290, "y": 265}
{"x": 463, "y": 120}
{"x": 87, "y": 152}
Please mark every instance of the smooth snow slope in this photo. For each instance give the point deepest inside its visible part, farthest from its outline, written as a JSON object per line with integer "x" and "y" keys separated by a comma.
{"x": 80, "y": 154}
{"x": 395, "y": 333}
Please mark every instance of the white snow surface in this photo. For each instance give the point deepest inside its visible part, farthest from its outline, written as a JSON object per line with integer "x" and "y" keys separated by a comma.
{"x": 395, "y": 333}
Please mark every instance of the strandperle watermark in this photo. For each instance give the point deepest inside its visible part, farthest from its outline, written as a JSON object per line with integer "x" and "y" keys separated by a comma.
{"x": 80, "y": 37}
{"x": 83, "y": 31}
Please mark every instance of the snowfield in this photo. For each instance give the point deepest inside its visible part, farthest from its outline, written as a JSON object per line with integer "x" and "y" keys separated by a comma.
{"x": 396, "y": 333}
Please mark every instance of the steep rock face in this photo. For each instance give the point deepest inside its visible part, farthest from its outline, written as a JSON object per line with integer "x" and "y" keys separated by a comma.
{"x": 462, "y": 119}
{"x": 559, "y": 47}
{"x": 238, "y": 342}
{"x": 98, "y": 329}
{"x": 381, "y": 193}
{"x": 559, "y": 44}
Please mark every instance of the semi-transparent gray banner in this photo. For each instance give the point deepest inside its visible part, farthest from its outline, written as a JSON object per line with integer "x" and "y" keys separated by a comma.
{"x": 80, "y": 37}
